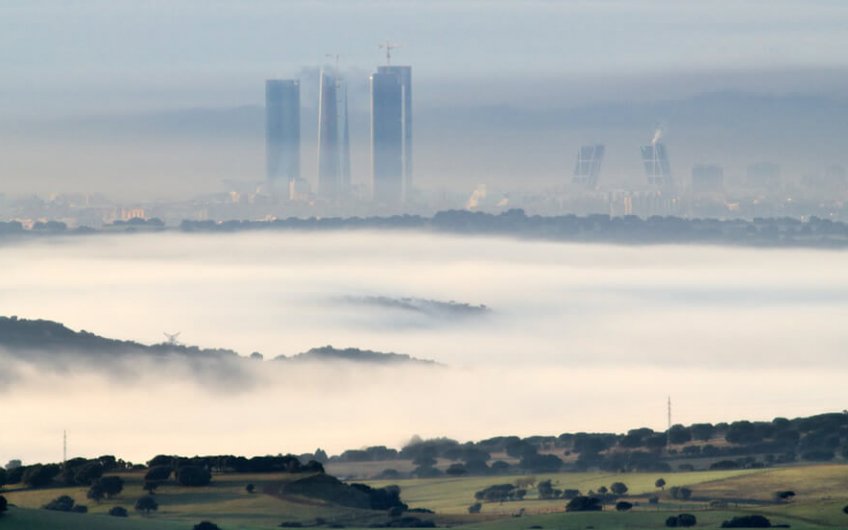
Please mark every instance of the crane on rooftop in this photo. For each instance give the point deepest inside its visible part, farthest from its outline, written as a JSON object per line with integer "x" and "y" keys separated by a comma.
{"x": 389, "y": 46}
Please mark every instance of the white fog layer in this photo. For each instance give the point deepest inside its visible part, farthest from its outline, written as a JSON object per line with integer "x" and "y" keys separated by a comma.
{"x": 536, "y": 338}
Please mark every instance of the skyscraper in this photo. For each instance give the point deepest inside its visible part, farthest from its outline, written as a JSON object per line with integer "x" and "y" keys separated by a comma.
{"x": 657, "y": 167}
{"x": 391, "y": 132}
{"x": 387, "y": 137}
{"x": 333, "y": 137}
{"x": 282, "y": 131}
{"x": 405, "y": 75}
{"x": 588, "y": 166}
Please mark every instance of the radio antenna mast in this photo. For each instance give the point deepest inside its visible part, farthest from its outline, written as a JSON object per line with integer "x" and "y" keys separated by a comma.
{"x": 669, "y": 413}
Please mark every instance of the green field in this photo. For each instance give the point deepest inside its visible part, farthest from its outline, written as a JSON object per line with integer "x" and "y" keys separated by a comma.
{"x": 821, "y": 491}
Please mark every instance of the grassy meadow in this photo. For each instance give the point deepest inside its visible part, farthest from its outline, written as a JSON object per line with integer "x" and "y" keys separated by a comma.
{"x": 821, "y": 492}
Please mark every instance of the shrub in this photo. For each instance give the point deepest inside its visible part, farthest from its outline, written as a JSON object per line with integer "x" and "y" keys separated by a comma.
{"x": 206, "y": 525}
{"x": 146, "y": 504}
{"x": 62, "y": 503}
{"x": 747, "y": 521}
{"x": 118, "y": 511}
{"x": 476, "y": 507}
{"x": 496, "y": 493}
{"x": 686, "y": 520}
{"x": 623, "y": 506}
{"x": 250, "y": 488}
{"x": 584, "y": 504}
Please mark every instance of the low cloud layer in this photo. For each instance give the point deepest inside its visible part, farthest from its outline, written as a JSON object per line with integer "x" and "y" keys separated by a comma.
{"x": 579, "y": 337}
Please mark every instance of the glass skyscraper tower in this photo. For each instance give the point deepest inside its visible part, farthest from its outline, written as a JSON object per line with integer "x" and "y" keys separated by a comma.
{"x": 333, "y": 137}
{"x": 282, "y": 130}
{"x": 391, "y": 133}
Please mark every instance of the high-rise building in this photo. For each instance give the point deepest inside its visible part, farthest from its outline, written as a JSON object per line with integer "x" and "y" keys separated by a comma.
{"x": 329, "y": 153}
{"x": 282, "y": 131}
{"x": 657, "y": 167}
{"x": 707, "y": 178}
{"x": 405, "y": 75}
{"x": 333, "y": 136}
{"x": 588, "y": 167}
{"x": 391, "y": 133}
{"x": 387, "y": 137}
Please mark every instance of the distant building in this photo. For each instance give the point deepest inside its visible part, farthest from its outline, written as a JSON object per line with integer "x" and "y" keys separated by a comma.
{"x": 588, "y": 167}
{"x": 282, "y": 131}
{"x": 333, "y": 137}
{"x": 763, "y": 175}
{"x": 391, "y": 132}
{"x": 831, "y": 182}
{"x": 657, "y": 167}
{"x": 707, "y": 178}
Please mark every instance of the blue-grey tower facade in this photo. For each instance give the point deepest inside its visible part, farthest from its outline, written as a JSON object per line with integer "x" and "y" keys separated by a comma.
{"x": 657, "y": 166}
{"x": 387, "y": 137}
{"x": 588, "y": 166}
{"x": 391, "y": 133}
{"x": 282, "y": 130}
{"x": 405, "y": 75}
{"x": 333, "y": 137}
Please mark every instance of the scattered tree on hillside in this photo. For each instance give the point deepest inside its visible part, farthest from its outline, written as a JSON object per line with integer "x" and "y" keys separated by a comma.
{"x": 193, "y": 476}
{"x": 678, "y": 434}
{"x": 4, "y": 504}
{"x": 38, "y": 476}
{"x": 496, "y": 493}
{"x": 206, "y": 525}
{"x": 250, "y": 488}
{"x": 545, "y": 489}
{"x": 660, "y": 483}
{"x": 150, "y": 487}
{"x": 146, "y": 505}
{"x": 476, "y": 507}
{"x": 623, "y": 506}
{"x": 95, "y": 493}
{"x": 158, "y": 473}
{"x": 111, "y": 485}
{"x": 86, "y": 474}
{"x": 618, "y": 488}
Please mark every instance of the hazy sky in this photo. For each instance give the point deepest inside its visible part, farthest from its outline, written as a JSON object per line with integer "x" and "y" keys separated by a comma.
{"x": 580, "y": 337}
{"x": 112, "y": 54}
{"x": 162, "y": 99}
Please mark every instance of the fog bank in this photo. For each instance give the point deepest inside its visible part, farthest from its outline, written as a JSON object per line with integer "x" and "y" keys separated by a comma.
{"x": 575, "y": 337}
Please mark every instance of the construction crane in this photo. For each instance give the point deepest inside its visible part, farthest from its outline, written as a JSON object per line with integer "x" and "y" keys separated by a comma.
{"x": 389, "y": 46}
{"x": 335, "y": 56}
